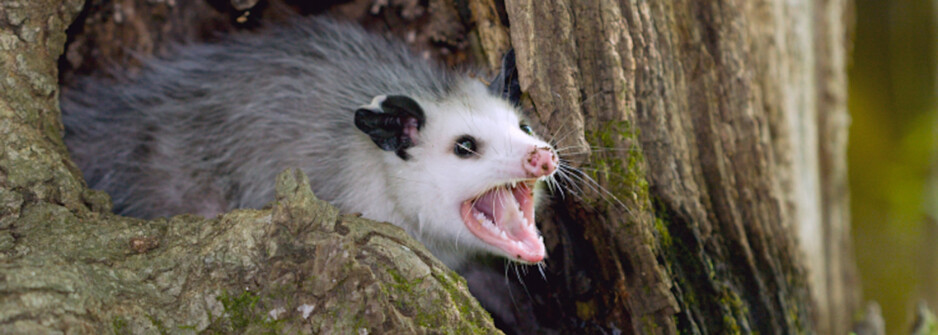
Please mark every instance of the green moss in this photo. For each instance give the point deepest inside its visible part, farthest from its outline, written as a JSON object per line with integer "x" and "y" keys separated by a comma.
{"x": 711, "y": 271}
{"x": 585, "y": 310}
{"x": 407, "y": 288}
{"x": 242, "y": 314}
{"x": 664, "y": 236}
{"x": 119, "y": 325}
{"x": 730, "y": 324}
{"x": 649, "y": 326}
{"x": 467, "y": 306}
{"x": 735, "y": 307}
{"x": 622, "y": 176}
{"x": 794, "y": 316}
{"x": 360, "y": 323}
{"x": 240, "y": 309}
{"x": 693, "y": 272}
{"x": 402, "y": 284}
{"x": 661, "y": 224}
{"x": 160, "y": 327}
{"x": 450, "y": 285}
{"x": 690, "y": 297}
{"x": 432, "y": 318}
{"x": 674, "y": 319}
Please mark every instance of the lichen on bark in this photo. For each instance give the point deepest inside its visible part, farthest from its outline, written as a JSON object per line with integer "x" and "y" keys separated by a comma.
{"x": 298, "y": 266}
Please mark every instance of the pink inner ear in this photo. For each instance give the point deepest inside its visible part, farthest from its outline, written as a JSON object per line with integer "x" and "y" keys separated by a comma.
{"x": 410, "y": 129}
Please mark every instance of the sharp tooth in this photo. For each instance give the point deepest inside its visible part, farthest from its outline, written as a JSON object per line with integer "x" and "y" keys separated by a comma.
{"x": 491, "y": 226}
{"x": 541, "y": 238}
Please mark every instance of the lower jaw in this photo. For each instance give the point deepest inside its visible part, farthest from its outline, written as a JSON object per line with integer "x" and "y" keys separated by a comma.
{"x": 527, "y": 248}
{"x": 493, "y": 242}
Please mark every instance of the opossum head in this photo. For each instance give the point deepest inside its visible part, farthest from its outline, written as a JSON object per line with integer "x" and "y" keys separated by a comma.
{"x": 463, "y": 170}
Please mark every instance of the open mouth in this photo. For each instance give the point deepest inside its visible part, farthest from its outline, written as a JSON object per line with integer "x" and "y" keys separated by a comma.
{"x": 503, "y": 217}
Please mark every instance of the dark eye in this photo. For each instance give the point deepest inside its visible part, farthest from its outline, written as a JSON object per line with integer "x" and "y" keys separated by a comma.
{"x": 526, "y": 129}
{"x": 465, "y": 146}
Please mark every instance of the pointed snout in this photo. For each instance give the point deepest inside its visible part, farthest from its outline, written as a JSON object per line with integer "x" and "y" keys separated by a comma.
{"x": 540, "y": 162}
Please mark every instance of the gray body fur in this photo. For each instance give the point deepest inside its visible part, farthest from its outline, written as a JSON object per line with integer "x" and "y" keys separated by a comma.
{"x": 208, "y": 130}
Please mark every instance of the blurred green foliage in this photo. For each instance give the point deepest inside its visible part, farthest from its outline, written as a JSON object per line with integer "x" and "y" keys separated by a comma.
{"x": 893, "y": 154}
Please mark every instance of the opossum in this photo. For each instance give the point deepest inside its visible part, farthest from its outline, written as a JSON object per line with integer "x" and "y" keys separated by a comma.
{"x": 378, "y": 129}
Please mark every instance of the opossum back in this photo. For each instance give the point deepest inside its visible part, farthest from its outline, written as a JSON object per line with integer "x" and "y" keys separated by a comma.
{"x": 206, "y": 129}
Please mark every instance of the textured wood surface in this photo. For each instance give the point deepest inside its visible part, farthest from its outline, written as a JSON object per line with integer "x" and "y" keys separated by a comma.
{"x": 735, "y": 112}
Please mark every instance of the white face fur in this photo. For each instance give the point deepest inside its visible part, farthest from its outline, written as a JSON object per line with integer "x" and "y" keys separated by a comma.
{"x": 471, "y": 142}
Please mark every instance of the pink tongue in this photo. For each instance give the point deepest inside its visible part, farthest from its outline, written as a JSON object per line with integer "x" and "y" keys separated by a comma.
{"x": 511, "y": 210}
{"x": 502, "y": 207}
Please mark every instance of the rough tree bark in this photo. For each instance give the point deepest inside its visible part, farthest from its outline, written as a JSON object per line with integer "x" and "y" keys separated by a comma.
{"x": 721, "y": 127}
{"x": 715, "y": 131}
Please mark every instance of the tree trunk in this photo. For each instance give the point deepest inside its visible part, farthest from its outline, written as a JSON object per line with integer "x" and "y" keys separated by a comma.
{"x": 714, "y": 131}
{"x": 721, "y": 129}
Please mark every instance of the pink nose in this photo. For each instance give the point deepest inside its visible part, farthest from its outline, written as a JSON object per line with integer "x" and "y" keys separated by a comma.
{"x": 540, "y": 162}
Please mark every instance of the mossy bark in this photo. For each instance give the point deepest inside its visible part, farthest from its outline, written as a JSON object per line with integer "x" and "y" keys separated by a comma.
{"x": 297, "y": 267}
{"x": 717, "y": 131}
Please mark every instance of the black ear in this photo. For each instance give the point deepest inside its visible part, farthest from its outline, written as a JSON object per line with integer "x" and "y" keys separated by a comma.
{"x": 506, "y": 84}
{"x": 392, "y": 122}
